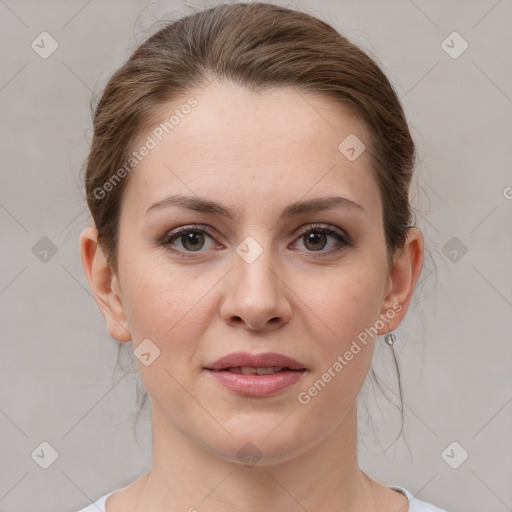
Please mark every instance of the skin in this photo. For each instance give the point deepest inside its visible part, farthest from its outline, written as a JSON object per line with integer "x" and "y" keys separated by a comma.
{"x": 255, "y": 153}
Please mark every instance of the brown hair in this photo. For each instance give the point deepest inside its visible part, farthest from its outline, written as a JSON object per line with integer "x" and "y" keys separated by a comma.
{"x": 256, "y": 45}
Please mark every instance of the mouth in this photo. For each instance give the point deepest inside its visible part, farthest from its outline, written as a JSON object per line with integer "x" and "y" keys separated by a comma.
{"x": 270, "y": 362}
{"x": 251, "y": 370}
{"x": 256, "y": 374}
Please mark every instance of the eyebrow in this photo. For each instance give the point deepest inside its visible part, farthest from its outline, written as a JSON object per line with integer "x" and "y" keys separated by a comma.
{"x": 199, "y": 204}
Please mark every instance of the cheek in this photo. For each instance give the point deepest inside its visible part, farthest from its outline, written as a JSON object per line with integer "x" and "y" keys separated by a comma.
{"x": 166, "y": 304}
{"x": 350, "y": 308}
{"x": 348, "y": 304}
{"x": 158, "y": 303}
{"x": 163, "y": 305}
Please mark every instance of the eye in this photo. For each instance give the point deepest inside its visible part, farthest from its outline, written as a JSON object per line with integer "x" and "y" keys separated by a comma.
{"x": 191, "y": 239}
{"x": 316, "y": 237}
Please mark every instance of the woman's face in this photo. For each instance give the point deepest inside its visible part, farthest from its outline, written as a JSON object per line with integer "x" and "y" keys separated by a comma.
{"x": 268, "y": 278}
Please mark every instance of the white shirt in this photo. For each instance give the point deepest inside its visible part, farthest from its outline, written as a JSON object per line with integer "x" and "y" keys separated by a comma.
{"x": 415, "y": 505}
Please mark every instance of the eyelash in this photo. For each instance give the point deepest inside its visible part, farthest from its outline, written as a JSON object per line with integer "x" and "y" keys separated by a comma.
{"x": 343, "y": 240}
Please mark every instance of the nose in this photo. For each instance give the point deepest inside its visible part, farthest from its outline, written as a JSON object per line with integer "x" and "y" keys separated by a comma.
{"x": 256, "y": 296}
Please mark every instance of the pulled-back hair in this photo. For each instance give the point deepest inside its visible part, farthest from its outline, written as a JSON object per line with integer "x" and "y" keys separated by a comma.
{"x": 255, "y": 45}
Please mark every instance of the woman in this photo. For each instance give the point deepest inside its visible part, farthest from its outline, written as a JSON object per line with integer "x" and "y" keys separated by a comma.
{"x": 248, "y": 180}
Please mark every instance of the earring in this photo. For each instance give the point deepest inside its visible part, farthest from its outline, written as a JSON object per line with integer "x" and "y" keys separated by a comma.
{"x": 390, "y": 338}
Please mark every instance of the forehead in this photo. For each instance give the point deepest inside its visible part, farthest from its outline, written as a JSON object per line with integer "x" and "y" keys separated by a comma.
{"x": 243, "y": 146}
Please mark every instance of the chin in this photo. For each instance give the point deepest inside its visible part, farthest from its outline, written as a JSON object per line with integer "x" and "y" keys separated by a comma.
{"x": 264, "y": 440}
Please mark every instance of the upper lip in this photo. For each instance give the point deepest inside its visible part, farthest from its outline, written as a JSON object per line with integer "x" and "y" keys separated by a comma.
{"x": 266, "y": 360}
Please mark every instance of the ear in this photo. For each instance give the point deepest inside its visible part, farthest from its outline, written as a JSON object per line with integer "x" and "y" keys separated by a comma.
{"x": 104, "y": 285}
{"x": 407, "y": 264}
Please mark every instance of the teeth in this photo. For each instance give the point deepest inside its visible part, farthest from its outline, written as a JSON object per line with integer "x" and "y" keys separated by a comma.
{"x": 247, "y": 370}
{"x": 269, "y": 370}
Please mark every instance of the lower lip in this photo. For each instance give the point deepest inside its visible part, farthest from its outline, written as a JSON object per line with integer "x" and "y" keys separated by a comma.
{"x": 257, "y": 385}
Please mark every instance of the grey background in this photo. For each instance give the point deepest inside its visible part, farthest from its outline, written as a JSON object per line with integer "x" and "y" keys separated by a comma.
{"x": 58, "y": 377}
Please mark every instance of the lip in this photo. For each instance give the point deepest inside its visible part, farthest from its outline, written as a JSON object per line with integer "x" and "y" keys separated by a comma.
{"x": 256, "y": 385}
{"x": 255, "y": 361}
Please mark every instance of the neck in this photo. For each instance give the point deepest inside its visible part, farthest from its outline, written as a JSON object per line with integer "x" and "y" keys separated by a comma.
{"x": 187, "y": 476}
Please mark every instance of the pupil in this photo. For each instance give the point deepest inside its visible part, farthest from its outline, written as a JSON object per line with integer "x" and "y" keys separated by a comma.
{"x": 314, "y": 238}
{"x": 190, "y": 238}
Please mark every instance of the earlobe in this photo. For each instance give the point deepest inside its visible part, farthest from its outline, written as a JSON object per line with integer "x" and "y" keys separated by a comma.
{"x": 104, "y": 285}
{"x": 407, "y": 265}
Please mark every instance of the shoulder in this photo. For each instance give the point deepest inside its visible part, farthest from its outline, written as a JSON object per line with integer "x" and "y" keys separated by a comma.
{"x": 98, "y": 505}
{"x": 416, "y": 505}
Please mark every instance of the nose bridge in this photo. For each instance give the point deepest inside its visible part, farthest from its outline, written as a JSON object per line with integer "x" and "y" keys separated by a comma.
{"x": 256, "y": 266}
